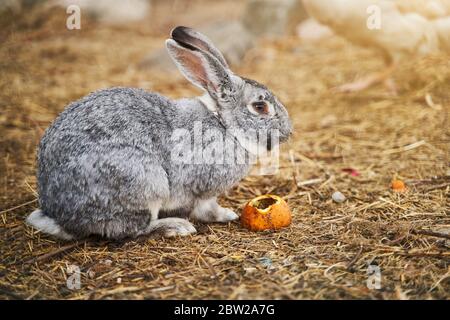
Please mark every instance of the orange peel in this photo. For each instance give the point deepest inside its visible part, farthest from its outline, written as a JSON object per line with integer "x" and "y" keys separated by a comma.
{"x": 266, "y": 212}
{"x": 398, "y": 186}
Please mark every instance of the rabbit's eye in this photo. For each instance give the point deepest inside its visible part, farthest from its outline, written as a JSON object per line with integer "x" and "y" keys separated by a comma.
{"x": 260, "y": 107}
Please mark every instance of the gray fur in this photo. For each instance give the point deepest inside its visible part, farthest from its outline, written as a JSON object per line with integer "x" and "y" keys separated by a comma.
{"x": 104, "y": 164}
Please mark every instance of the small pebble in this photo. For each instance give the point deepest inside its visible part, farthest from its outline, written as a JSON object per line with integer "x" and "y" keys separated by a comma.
{"x": 265, "y": 261}
{"x": 107, "y": 262}
{"x": 250, "y": 270}
{"x": 338, "y": 197}
{"x": 91, "y": 274}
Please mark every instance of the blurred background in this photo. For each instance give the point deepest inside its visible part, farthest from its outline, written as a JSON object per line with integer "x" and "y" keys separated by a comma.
{"x": 373, "y": 102}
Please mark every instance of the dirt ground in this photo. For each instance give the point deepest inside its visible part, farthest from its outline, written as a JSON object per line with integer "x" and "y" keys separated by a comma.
{"x": 327, "y": 250}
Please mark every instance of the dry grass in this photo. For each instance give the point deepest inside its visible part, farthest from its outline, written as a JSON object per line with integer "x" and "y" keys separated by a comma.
{"x": 324, "y": 253}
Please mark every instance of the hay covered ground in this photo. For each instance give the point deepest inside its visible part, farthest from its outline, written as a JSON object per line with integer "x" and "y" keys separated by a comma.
{"x": 326, "y": 251}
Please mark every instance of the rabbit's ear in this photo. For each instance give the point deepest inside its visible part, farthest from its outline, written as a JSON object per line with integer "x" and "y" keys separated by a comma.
{"x": 199, "y": 67}
{"x": 190, "y": 37}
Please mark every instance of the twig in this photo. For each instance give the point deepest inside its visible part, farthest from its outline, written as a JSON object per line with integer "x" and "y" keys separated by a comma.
{"x": 439, "y": 281}
{"x": 19, "y": 206}
{"x": 355, "y": 259}
{"x": 440, "y": 186}
{"x": 405, "y": 148}
{"x": 52, "y": 253}
{"x": 423, "y": 181}
{"x": 431, "y": 233}
{"x": 433, "y": 254}
{"x": 31, "y": 188}
{"x": 13, "y": 295}
{"x": 309, "y": 182}
{"x": 309, "y": 161}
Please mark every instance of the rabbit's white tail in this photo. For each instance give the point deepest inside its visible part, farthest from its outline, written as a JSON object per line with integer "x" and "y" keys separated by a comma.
{"x": 38, "y": 220}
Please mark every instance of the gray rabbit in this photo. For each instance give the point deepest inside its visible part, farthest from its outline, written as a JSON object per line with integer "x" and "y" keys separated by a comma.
{"x": 108, "y": 164}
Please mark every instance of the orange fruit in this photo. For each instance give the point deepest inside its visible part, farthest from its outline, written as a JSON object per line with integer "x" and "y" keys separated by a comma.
{"x": 398, "y": 185}
{"x": 266, "y": 212}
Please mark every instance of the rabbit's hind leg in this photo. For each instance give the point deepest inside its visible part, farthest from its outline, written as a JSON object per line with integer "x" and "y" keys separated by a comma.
{"x": 38, "y": 220}
{"x": 208, "y": 210}
{"x": 169, "y": 228}
{"x": 154, "y": 208}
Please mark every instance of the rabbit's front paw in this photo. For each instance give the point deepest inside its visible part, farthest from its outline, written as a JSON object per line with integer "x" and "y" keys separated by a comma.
{"x": 225, "y": 215}
{"x": 171, "y": 227}
{"x": 210, "y": 211}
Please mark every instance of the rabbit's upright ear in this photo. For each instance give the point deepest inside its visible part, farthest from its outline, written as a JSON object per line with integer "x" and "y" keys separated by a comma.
{"x": 190, "y": 37}
{"x": 200, "y": 67}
